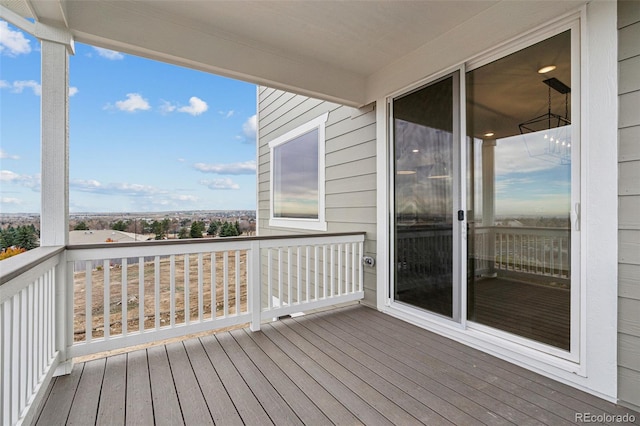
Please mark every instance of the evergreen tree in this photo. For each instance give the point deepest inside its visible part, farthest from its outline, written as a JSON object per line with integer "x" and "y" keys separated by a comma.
{"x": 213, "y": 228}
{"x": 81, "y": 226}
{"x": 237, "y": 226}
{"x": 228, "y": 230}
{"x": 119, "y": 226}
{"x": 26, "y": 238}
{"x": 197, "y": 228}
{"x": 7, "y": 237}
{"x": 182, "y": 234}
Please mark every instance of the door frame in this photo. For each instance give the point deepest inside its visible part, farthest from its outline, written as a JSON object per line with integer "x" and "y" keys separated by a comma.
{"x": 595, "y": 371}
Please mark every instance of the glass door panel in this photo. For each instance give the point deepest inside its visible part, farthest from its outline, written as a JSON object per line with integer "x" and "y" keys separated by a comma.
{"x": 424, "y": 138}
{"x": 519, "y": 153}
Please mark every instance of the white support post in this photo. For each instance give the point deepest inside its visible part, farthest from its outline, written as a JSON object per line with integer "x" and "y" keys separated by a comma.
{"x": 488, "y": 200}
{"x": 254, "y": 286}
{"x": 54, "y": 217}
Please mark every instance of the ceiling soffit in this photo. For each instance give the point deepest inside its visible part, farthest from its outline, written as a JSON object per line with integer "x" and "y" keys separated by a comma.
{"x": 346, "y": 52}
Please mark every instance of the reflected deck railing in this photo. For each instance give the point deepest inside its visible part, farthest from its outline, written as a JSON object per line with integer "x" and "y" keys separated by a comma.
{"x": 57, "y": 303}
{"x": 545, "y": 252}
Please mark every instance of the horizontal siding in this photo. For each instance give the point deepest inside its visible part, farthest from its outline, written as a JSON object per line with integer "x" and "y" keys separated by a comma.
{"x": 629, "y": 75}
{"x": 629, "y": 176}
{"x": 629, "y": 246}
{"x": 629, "y": 280}
{"x": 628, "y": 380}
{"x": 350, "y": 168}
{"x": 629, "y": 352}
{"x": 629, "y": 212}
{"x": 629, "y": 204}
{"x": 628, "y": 113}
{"x": 628, "y": 45}
{"x": 628, "y": 13}
{"x": 629, "y": 143}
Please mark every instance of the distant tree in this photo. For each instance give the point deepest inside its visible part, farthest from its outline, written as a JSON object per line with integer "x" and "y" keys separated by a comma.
{"x": 161, "y": 229}
{"x": 119, "y": 226}
{"x": 183, "y": 233}
{"x": 145, "y": 227}
{"x": 81, "y": 226}
{"x": 197, "y": 229}
{"x": 237, "y": 226}
{"x": 214, "y": 226}
{"x": 8, "y": 237}
{"x": 228, "y": 230}
{"x": 26, "y": 237}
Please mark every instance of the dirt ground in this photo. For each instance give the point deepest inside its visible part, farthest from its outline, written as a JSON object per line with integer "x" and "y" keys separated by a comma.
{"x": 132, "y": 319}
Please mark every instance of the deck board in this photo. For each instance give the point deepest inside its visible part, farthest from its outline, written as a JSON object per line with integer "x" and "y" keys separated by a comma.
{"x": 220, "y": 405}
{"x": 244, "y": 400}
{"x": 139, "y": 408}
{"x": 351, "y": 366}
{"x": 192, "y": 402}
{"x": 84, "y": 408}
{"x": 504, "y": 391}
{"x": 335, "y": 411}
{"x": 302, "y": 406}
{"x": 166, "y": 407}
{"x": 60, "y": 398}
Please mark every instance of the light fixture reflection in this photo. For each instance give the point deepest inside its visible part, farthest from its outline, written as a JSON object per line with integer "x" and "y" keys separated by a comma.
{"x": 546, "y": 69}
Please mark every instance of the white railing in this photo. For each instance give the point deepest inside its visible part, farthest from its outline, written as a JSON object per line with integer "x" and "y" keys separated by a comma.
{"x": 539, "y": 251}
{"x": 28, "y": 335}
{"x": 125, "y": 294}
{"x": 144, "y": 292}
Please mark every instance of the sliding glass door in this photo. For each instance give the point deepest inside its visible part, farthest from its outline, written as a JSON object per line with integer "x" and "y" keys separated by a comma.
{"x": 521, "y": 162}
{"x": 425, "y": 124}
{"x": 513, "y": 182}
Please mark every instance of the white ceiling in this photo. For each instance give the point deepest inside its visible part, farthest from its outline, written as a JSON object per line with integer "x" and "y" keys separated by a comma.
{"x": 345, "y": 51}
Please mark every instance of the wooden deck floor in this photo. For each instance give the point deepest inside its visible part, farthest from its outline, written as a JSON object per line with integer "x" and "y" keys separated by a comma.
{"x": 347, "y": 366}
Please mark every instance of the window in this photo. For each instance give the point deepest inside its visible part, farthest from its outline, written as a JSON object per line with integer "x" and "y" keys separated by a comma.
{"x": 297, "y": 177}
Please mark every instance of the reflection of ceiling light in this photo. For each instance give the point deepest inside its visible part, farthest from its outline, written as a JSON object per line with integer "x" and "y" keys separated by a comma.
{"x": 415, "y": 150}
{"x": 406, "y": 172}
{"x": 488, "y": 134}
{"x": 546, "y": 69}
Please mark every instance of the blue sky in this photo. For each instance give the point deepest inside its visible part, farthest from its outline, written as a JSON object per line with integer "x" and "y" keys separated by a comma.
{"x": 144, "y": 135}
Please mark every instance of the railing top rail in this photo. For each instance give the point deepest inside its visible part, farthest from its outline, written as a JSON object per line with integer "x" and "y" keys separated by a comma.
{"x": 226, "y": 240}
{"x": 522, "y": 228}
{"x": 18, "y": 265}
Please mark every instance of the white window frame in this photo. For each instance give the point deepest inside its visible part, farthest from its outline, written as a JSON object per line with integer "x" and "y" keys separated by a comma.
{"x": 320, "y": 223}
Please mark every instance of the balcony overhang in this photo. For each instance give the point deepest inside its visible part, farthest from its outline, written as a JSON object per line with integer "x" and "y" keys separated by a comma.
{"x": 347, "y": 52}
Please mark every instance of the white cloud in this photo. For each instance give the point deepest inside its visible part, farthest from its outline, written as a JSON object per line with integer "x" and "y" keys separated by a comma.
{"x": 6, "y": 155}
{"x": 132, "y": 189}
{"x": 196, "y": 106}
{"x": 109, "y": 54}
{"x": 249, "y": 128}
{"x": 224, "y": 183}
{"x": 9, "y": 200}
{"x": 243, "y": 168}
{"x": 8, "y": 176}
{"x": 120, "y": 188}
{"x": 13, "y": 43}
{"x": 28, "y": 181}
{"x": 183, "y": 197}
{"x": 166, "y": 107}
{"x": 134, "y": 102}
{"x": 20, "y": 85}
